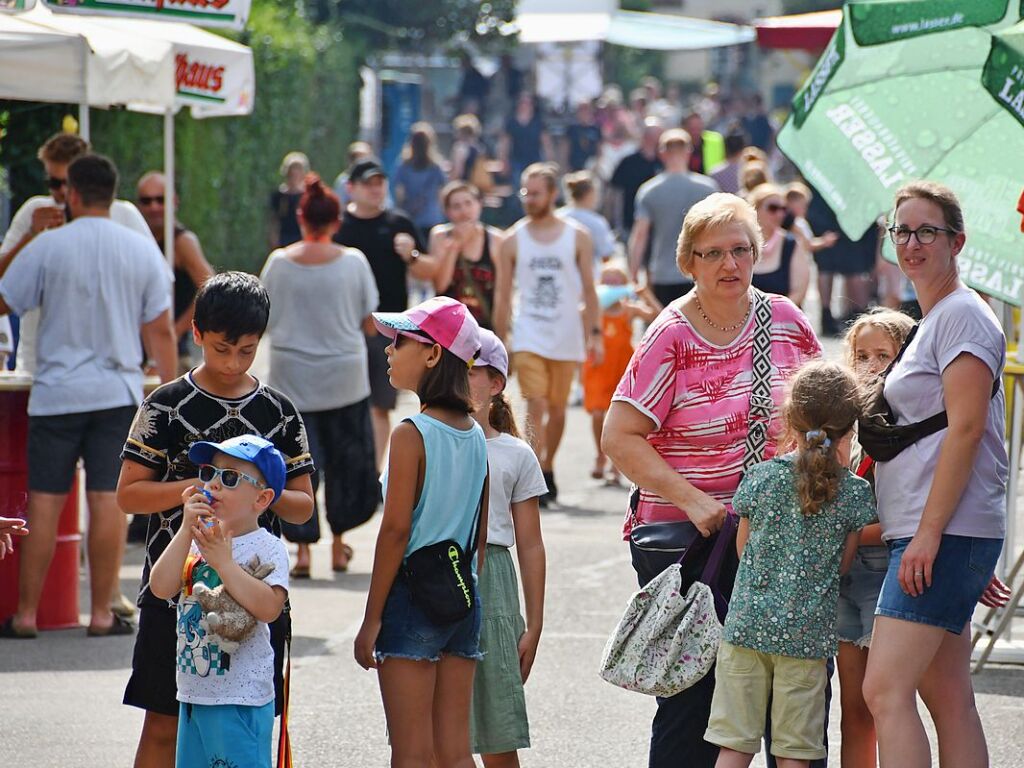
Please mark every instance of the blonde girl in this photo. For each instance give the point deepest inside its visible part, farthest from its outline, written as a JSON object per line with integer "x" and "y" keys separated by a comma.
{"x": 499, "y": 725}
{"x": 872, "y": 343}
{"x": 425, "y": 668}
{"x": 799, "y": 518}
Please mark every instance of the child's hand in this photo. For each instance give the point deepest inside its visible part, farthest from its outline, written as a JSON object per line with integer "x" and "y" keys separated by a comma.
{"x": 10, "y": 526}
{"x": 214, "y": 545}
{"x": 527, "y": 652}
{"x": 196, "y": 508}
{"x": 364, "y": 644}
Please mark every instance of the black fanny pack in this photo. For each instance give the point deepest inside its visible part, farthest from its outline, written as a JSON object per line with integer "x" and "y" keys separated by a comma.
{"x": 877, "y": 431}
{"x": 440, "y": 576}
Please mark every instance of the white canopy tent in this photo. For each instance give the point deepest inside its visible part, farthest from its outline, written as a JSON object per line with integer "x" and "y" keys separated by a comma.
{"x": 145, "y": 66}
{"x": 568, "y": 21}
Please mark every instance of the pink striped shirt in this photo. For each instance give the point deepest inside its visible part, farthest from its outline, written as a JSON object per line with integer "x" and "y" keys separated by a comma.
{"x": 698, "y": 395}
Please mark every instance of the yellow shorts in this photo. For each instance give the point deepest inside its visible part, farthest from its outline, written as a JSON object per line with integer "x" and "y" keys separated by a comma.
{"x": 541, "y": 377}
{"x": 745, "y": 680}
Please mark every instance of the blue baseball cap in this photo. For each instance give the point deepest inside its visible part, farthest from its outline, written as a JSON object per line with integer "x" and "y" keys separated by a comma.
{"x": 251, "y": 448}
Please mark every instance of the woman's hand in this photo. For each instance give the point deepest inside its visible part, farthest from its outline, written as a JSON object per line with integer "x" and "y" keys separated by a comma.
{"x": 706, "y": 513}
{"x": 996, "y": 594}
{"x": 364, "y": 644}
{"x": 916, "y": 564}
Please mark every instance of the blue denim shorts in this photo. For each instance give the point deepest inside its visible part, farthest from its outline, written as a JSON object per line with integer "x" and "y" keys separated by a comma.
{"x": 407, "y": 633}
{"x": 858, "y": 595}
{"x": 962, "y": 569}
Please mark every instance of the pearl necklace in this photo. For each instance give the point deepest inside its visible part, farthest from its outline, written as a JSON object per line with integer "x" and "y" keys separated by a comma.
{"x": 726, "y": 328}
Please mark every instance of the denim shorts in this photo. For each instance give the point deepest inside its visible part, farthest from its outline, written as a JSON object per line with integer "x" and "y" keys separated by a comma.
{"x": 858, "y": 595}
{"x": 960, "y": 574}
{"x": 407, "y": 633}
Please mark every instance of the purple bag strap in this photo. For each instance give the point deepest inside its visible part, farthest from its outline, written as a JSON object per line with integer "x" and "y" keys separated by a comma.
{"x": 713, "y": 567}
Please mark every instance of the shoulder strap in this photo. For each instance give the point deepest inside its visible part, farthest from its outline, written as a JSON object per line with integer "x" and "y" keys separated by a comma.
{"x": 474, "y": 535}
{"x": 761, "y": 402}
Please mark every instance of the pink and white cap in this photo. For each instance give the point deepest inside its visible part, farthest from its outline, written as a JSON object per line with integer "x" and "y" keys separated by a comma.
{"x": 442, "y": 318}
{"x": 492, "y": 352}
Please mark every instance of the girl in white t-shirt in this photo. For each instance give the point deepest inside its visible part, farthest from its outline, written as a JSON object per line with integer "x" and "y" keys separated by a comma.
{"x": 498, "y": 723}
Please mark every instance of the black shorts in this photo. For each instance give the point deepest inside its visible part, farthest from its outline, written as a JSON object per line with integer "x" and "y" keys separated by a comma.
{"x": 382, "y": 394}
{"x": 153, "y": 687}
{"x": 56, "y": 443}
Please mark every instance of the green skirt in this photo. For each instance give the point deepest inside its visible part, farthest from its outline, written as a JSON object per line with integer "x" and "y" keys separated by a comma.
{"x": 498, "y": 720}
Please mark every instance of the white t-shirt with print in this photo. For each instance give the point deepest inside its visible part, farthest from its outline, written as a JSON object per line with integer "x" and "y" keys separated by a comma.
{"x": 960, "y": 323}
{"x": 205, "y": 674}
{"x": 121, "y": 212}
{"x": 515, "y": 477}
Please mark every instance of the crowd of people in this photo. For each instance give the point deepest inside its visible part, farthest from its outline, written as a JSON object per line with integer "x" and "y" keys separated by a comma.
{"x": 846, "y": 553}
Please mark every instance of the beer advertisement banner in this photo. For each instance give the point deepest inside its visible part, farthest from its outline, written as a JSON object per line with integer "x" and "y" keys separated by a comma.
{"x": 204, "y": 13}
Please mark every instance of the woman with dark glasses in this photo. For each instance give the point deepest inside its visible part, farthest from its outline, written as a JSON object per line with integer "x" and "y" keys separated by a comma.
{"x": 784, "y": 267}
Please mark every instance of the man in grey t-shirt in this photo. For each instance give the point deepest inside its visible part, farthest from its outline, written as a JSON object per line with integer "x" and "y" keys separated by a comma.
{"x": 661, "y": 205}
{"x": 99, "y": 286}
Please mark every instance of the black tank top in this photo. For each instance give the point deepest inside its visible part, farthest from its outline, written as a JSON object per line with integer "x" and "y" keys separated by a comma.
{"x": 473, "y": 284}
{"x": 777, "y": 281}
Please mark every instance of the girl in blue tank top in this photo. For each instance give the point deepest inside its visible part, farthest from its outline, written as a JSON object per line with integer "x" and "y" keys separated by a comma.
{"x": 435, "y": 489}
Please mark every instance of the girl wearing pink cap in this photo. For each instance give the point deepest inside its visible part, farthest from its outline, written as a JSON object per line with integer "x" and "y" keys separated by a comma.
{"x": 435, "y": 495}
{"x": 499, "y": 726}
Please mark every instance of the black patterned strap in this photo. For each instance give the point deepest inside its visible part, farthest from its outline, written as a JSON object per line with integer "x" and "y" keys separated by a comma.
{"x": 761, "y": 402}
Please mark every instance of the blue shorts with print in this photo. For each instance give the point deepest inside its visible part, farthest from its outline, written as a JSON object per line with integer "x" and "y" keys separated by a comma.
{"x": 407, "y": 633}
{"x": 224, "y": 734}
{"x": 858, "y": 595}
{"x": 963, "y": 568}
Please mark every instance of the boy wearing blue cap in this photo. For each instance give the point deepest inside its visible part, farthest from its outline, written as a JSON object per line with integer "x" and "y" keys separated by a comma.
{"x": 226, "y": 685}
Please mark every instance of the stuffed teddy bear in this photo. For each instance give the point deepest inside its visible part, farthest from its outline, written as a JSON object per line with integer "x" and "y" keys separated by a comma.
{"x": 227, "y": 622}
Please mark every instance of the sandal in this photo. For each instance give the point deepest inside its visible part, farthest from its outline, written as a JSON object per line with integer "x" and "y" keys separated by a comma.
{"x": 8, "y": 630}
{"x": 122, "y": 606}
{"x": 339, "y": 565}
{"x": 299, "y": 572}
{"x": 120, "y": 626}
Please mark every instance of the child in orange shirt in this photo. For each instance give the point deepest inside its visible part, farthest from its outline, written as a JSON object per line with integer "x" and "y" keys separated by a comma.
{"x": 620, "y": 304}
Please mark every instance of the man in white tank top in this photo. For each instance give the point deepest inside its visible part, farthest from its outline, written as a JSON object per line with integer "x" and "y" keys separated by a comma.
{"x": 551, "y": 262}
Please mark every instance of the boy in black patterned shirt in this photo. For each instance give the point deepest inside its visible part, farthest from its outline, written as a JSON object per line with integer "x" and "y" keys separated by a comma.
{"x": 213, "y": 402}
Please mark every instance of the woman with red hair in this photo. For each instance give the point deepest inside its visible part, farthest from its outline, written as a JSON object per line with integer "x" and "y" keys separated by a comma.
{"x": 321, "y": 297}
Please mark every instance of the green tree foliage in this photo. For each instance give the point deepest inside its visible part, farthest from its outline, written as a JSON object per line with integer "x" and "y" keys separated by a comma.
{"x": 808, "y": 6}
{"x": 627, "y": 66}
{"x": 410, "y": 23}
{"x": 307, "y": 99}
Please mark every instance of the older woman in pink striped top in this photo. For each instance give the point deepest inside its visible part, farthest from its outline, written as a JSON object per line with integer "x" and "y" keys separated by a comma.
{"x": 678, "y": 421}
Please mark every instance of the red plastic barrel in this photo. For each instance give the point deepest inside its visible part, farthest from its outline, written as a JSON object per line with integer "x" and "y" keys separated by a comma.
{"x": 58, "y": 608}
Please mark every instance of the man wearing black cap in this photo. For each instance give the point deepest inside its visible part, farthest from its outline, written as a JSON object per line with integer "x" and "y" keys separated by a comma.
{"x": 395, "y": 250}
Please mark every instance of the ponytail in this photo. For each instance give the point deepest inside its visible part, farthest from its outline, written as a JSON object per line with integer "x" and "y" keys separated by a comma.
{"x": 501, "y": 417}
{"x": 822, "y": 406}
{"x": 818, "y": 470}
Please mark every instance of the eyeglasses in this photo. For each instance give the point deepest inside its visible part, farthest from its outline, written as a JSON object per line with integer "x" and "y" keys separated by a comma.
{"x": 925, "y": 234}
{"x": 54, "y": 183}
{"x": 147, "y": 200}
{"x": 774, "y": 208}
{"x": 740, "y": 253}
{"x": 408, "y": 336}
{"x": 229, "y": 478}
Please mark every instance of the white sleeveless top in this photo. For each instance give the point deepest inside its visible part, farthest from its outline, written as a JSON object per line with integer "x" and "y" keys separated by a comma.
{"x": 547, "y": 319}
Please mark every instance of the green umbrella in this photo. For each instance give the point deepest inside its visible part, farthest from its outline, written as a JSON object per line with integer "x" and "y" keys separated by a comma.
{"x": 922, "y": 89}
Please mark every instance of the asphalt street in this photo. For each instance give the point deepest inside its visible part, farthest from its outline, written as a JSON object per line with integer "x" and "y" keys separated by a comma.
{"x": 61, "y": 694}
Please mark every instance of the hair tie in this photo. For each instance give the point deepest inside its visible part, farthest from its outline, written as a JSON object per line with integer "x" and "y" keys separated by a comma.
{"x": 816, "y": 433}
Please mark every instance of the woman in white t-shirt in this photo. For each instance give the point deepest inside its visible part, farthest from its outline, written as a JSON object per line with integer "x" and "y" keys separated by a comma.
{"x": 498, "y": 722}
{"x": 941, "y": 500}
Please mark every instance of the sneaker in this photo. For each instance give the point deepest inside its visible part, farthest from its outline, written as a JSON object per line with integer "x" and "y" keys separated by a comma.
{"x": 552, "y": 495}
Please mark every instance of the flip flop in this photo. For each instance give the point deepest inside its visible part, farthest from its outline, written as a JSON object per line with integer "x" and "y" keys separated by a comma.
{"x": 299, "y": 572}
{"x": 122, "y": 606}
{"x": 120, "y": 626}
{"x": 8, "y": 630}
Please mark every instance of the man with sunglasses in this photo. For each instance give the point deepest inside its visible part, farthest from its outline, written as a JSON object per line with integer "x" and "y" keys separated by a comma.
{"x": 191, "y": 269}
{"x": 45, "y": 212}
{"x": 661, "y": 206}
